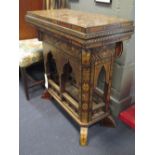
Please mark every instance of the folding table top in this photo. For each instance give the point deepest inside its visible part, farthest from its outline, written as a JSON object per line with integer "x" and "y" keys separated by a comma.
{"x": 81, "y": 25}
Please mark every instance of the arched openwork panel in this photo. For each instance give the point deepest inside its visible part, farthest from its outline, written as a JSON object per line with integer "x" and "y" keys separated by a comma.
{"x": 99, "y": 70}
{"x": 101, "y": 78}
{"x": 96, "y": 74}
{"x": 68, "y": 81}
{"x": 68, "y": 72}
{"x": 107, "y": 69}
{"x": 51, "y": 67}
{"x": 76, "y": 71}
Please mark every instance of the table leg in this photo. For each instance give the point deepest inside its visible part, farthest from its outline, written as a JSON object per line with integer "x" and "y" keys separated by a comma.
{"x": 83, "y": 136}
{"x": 86, "y": 88}
{"x": 46, "y": 95}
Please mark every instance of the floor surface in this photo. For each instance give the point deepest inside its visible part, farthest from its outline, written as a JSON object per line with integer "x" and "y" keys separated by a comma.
{"x": 45, "y": 129}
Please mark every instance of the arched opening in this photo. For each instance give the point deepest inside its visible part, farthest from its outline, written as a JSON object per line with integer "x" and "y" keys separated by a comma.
{"x": 98, "y": 94}
{"x": 69, "y": 82}
{"x": 52, "y": 72}
{"x": 101, "y": 79}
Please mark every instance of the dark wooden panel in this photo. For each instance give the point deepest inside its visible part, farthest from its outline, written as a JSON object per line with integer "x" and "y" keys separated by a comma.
{"x": 26, "y": 31}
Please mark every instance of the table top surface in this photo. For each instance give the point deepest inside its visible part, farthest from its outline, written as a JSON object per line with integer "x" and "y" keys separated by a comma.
{"x": 79, "y": 19}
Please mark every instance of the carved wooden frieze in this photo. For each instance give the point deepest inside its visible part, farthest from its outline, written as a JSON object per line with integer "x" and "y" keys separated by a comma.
{"x": 67, "y": 48}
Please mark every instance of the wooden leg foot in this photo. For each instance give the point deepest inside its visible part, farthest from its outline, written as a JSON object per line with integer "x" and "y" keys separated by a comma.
{"x": 108, "y": 122}
{"x": 83, "y": 136}
{"x": 46, "y": 95}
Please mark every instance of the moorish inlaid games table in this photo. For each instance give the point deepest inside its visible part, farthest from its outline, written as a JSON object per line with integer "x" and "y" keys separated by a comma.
{"x": 77, "y": 46}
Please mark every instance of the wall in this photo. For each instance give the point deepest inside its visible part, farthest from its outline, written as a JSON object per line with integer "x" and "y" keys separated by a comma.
{"x": 26, "y": 31}
{"x": 123, "y": 73}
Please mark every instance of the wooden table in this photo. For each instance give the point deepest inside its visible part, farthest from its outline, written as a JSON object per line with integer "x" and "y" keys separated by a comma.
{"x": 77, "y": 46}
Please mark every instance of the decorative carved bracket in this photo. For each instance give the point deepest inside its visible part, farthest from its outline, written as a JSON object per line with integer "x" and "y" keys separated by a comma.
{"x": 118, "y": 49}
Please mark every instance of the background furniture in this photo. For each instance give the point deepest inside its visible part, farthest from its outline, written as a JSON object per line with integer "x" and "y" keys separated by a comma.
{"x": 56, "y": 4}
{"x": 81, "y": 45}
{"x": 30, "y": 49}
{"x": 30, "y": 54}
{"x": 128, "y": 116}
